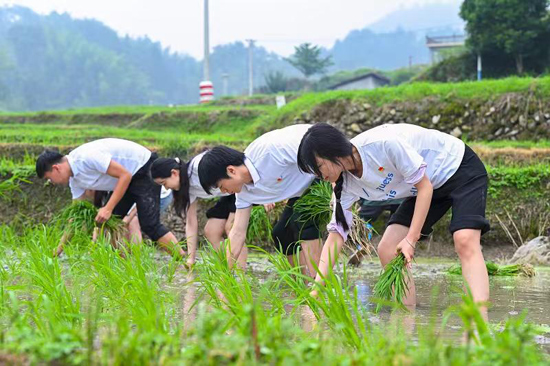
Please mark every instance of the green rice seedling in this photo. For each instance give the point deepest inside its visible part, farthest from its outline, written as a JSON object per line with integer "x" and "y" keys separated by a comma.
{"x": 9, "y": 186}
{"x": 78, "y": 221}
{"x": 393, "y": 281}
{"x": 80, "y": 216}
{"x": 315, "y": 204}
{"x": 494, "y": 269}
{"x": 259, "y": 227}
{"x": 342, "y": 310}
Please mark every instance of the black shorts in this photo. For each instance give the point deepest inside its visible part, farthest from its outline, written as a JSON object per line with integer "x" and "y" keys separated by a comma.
{"x": 146, "y": 195}
{"x": 288, "y": 231}
{"x": 465, "y": 192}
{"x": 222, "y": 208}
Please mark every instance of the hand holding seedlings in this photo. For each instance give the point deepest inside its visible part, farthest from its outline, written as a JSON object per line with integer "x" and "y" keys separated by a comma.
{"x": 406, "y": 247}
{"x": 103, "y": 214}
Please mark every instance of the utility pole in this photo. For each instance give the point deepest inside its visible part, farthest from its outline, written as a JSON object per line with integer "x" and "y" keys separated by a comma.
{"x": 206, "y": 87}
{"x": 206, "y": 43}
{"x": 250, "y": 67}
{"x": 225, "y": 77}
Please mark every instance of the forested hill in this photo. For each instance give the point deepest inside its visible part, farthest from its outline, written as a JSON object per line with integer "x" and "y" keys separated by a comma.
{"x": 55, "y": 61}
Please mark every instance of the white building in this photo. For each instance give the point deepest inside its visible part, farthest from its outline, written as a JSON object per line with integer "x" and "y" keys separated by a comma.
{"x": 362, "y": 82}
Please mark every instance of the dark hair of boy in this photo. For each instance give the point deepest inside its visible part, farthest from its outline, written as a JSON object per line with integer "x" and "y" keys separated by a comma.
{"x": 162, "y": 168}
{"x": 46, "y": 160}
{"x": 213, "y": 165}
{"x": 326, "y": 142}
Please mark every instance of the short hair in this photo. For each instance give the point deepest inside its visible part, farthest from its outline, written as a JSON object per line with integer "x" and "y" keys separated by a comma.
{"x": 213, "y": 165}
{"x": 46, "y": 160}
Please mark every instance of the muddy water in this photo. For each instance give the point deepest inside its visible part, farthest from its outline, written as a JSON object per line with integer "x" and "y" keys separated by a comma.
{"x": 436, "y": 292}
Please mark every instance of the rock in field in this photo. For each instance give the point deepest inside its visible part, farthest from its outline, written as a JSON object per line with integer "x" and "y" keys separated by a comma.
{"x": 535, "y": 252}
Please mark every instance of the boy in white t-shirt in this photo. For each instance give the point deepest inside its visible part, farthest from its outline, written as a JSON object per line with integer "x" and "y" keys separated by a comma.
{"x": 433, "y": 171}
{"x": 115, "y": 165}
{"x": 267, "y": 172}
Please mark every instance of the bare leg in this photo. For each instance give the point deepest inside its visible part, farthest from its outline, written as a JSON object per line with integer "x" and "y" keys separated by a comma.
{"x": 169, "y": 244}
{"x": 214, "y": 230}
{"x": 134, "y": 231}
{"x": 386, "y": 252}
{"x": 243, "y": 256}
{"x": 474, "y": 270}
{"x": 311, "y": 250}
{"x": 64, "y": 239}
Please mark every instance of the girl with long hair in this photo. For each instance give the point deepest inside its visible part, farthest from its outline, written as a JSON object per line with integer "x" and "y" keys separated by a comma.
{"x": 431, "y": 170}
{"x": 183, "y": 179}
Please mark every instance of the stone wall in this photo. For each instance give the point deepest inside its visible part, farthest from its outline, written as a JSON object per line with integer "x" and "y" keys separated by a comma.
{"x": 511, "y": 116}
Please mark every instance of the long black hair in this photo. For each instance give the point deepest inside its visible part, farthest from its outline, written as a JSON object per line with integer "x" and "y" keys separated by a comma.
{"x": 326, "y": 142}
{"x": 162, "y": 168}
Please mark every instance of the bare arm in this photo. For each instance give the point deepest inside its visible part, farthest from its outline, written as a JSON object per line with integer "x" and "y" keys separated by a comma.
{"x": 237, "y": 235}
{"x": 124, "y": 177}
{"x": 331, "y": 250}
{"x": 421, "y": 208}
{"x": 192, "y": 232}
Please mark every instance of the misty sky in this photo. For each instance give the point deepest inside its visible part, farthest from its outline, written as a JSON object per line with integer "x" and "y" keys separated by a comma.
{"x": 278, "y": 25}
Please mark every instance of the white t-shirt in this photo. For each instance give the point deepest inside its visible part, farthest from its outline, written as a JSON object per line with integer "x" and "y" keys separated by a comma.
{"x": 89, "y": 163}
{"x": 391, "y": 155}
{"x": 195, "y": 188}
{"x": 272, "y": 160}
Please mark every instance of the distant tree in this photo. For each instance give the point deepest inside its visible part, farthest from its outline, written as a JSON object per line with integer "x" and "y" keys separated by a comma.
{"x": 518, "y": 28}
{"x": 308, "y": 60}
{"x": 275, "y": 81}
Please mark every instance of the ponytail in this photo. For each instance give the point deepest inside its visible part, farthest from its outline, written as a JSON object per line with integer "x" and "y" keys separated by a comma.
{"x": 162, "y": 168}
{"x": 181, "y": 196}
{"x": 339, "y": 211}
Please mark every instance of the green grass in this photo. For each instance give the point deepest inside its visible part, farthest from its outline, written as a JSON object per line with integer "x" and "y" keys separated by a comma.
{"x": 141, "y": 109}
{"x": 64, "y": 135}
{"x": 414, "y": 92}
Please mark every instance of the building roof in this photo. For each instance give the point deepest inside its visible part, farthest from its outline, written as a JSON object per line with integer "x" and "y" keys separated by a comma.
{"x": 382, "y": 79}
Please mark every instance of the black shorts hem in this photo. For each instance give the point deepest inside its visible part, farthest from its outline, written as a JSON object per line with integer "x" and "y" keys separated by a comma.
{"x": 475, "y": 222}
{"x": 223, "y": 208}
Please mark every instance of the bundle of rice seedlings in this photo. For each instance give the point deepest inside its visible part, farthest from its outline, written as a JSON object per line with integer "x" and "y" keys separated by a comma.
{"x": 494, "y": 269}
{"x": 79, "y": 219}
{"x": 80, "y": 216}
{"x": 259, "y": 226}
{"x": 316, "y": 206}
{"x": 393, "y": 281}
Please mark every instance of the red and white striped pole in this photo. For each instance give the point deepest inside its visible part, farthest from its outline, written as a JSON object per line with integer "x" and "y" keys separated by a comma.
{"x": 207, "y": 91}
{"x": 206, "y": 87}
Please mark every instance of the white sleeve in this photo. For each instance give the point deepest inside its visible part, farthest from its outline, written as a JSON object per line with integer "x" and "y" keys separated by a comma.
{"x": 240, "y": 202}
{"x": 404, "y": 157}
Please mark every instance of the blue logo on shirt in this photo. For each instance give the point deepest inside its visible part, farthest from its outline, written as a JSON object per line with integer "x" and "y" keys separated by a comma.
{"x": 391, "y": 194}
{"x": 385, "y": 182}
